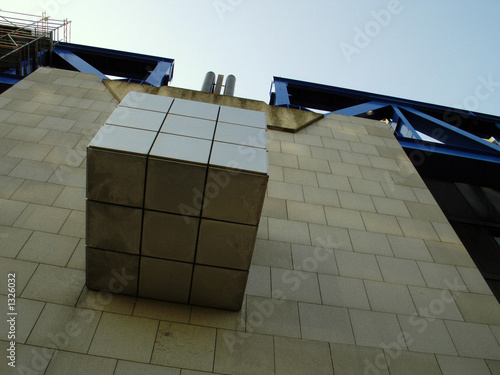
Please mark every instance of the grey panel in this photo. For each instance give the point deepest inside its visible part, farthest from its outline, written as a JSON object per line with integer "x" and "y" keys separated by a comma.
{"x": 242, "y": 117}
{"x": 236, "y": 197}
{"x": 239, "y": 157}
{"x": 174, "y": 187}
{"x": 115, "y": 177}
{"x": 241, "y": 135}
{"x": 147, "y": 101}
{"x": 110, "y": 271}
{"x": 118, "y": 138}
{"x": 169, "y": 236}
{"x": 136, "y": 118}
{"x": 218, "y": 287}
{"x": 165, "y": 280}
{"x": 225, "y": 244}
{"x": 186, "y": 149}
{"x": 189, "y": 126}
{"x": 195, "y": 109}
{"x": 112, "y": 227}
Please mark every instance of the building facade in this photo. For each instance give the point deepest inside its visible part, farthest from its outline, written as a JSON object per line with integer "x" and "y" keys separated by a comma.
{"x": 356, "y": 268}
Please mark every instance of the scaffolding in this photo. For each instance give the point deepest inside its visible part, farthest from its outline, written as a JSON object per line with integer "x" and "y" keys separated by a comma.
{"x": 25, "y": 40}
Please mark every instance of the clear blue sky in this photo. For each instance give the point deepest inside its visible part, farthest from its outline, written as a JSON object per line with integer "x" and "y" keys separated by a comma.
{"x": 433, "y": 51}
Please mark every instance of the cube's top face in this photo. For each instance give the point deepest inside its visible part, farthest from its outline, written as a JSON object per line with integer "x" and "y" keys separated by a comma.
{"x": 136, "y": 118}
{"x": 148, "y": 102}
{"x": 238, "y": 157}
{"x": 181, "y": 148}
{"x": 241, "y": 135}
{"x": 191, "y": 108}
{"x": 242, "y": 117}
{"x": 118, "y": 138}
{"x": 189, "y": 126}
{"x": 187, "y": 131}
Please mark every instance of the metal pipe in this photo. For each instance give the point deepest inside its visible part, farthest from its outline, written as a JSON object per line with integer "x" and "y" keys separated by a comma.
{"x": 230, "y": 84}
{"x": 208, "y": 83}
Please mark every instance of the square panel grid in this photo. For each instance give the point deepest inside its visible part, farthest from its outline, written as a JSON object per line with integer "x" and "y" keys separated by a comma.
{"x": 175, "y": 190}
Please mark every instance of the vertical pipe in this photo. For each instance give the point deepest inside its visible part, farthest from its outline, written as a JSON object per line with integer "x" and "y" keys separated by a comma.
{"x": 230, "y": 84}
{"x": 208, "y": 83}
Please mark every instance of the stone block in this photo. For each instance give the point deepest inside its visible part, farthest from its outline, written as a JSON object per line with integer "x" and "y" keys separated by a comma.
{"x": 113, "y": 227}
{"x": 218, "y": 287}
{"x": 174, "y": 197}
{"x": 169, "y": 236}
{"x": 165, "y": 280}
{"x": 111, "y": 271}
{"x": 223, "y": 244}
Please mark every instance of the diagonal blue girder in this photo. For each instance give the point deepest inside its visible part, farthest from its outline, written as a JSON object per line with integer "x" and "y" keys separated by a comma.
{"x": 404, "y": 121}
{"x": 360, "y": 108}
{"x": 78, "y": 63}
{"x": 282, "y": 98}
{"x": 451, "y": 134}
{"x": 157, "y": 76}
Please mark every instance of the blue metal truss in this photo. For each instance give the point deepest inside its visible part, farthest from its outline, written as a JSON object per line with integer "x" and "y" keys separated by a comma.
{"x": 447, "y": 130}
{"x": 147, "y": 69}
{"x": 360, "y": 108}
{"x": 403, "y": 124}
{"x": 449, "y": 134}
{"x": 78, "y": 63}
{"x": 139, "y": 68}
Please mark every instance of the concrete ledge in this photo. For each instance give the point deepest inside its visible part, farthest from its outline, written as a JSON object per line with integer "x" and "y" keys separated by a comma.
{"x": 278, "y": 118}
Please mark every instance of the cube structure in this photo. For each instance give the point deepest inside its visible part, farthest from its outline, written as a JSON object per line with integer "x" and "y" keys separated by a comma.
{"x": 175, "y": 190}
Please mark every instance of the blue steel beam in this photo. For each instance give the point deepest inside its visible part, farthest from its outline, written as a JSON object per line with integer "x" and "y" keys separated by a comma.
{"x": 403, "y": 120}
{"x": 123, "y": 64}
{"x": 451, "y": 133}
{"x": 78, "y": 63}
{"x": 122, "y": 55}
{"x": 363, "y": 95}
{"x": 281, "y": 97}
{"x": 157, "y": 76}
{"x": 360, "y": 109}
{"x": 429, "y": 148}
{"x": 10, "y": 79}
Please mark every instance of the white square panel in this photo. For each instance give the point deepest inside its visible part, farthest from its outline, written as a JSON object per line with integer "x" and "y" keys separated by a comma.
{"x": 117, "y": 138}
{"x": 182, "y": 148}
{"x": 189, "y": 126}
{"x": 239, "y": 157}
{"x": 136, "y": 118}
{"x": 242, "y": 117}
{"x": 147, "y": 101}
{"x": 241, "y": 135}
{"x": 195, "y": 109}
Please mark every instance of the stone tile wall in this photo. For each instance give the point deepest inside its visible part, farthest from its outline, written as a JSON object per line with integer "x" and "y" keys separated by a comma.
{"x": 355, "y": 269}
